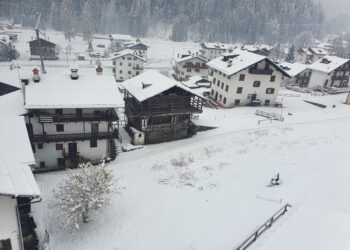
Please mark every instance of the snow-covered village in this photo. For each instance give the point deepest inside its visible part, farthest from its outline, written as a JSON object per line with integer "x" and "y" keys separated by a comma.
{"x": 174, "y": 125}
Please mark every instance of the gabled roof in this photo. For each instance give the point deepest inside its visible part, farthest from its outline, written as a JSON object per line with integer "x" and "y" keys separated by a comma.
{"x": 135, "y": 44}
{"x": 60, "y": 91}
{"x": 121, "y": 37}
{"x": 238, "y": 60}
{"x": 293, "y": 69}
{"x": 43, "y": 41}
{"x": 16, "y": 177}
{"x": 127, "y": 52}
{"x": 305, "y": 51}
{"x": 328, "y": 64}
{"x": 184, "y": 58}
{"x": 218, "y": 46}
{"x": 150, "y": 84}
{"x": 318, "y": 51}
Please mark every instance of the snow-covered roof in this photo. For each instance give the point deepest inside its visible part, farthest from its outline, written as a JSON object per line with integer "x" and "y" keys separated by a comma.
{"x": 16, "y": 177}
{"x": 187, "y": 57}
{"x": 10, "y": 77}
{"x": 318, "y": 51}
{"x": 252, "y": 48}
{"x": 60, "y": 91}
{"x": 328, "y": 64}
{"x": 126, "y": 52}
{"x": 196, "y": 81}
{"x": 151, "y": 83}
{"x": 133, "y": 44}
{"x": 218, "y": 46}
{"x": 293, "y": 69}
{"x": 12, "y": 104}
{"x": 305, "y": 51}
{"x": 121, "y": 37}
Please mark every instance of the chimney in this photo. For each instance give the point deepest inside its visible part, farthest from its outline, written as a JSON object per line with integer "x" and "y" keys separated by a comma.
{"x": 229, "y": 63}
{"x": 36, "y": 76}
{"x": 74, "y": 72}
{"x": 99, "y": 70}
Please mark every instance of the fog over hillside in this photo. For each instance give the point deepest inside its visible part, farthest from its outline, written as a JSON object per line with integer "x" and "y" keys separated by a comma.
{"x": 250, "y": 21}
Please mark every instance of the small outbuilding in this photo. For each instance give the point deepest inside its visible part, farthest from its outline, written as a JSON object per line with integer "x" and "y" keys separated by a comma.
{"x": 50, "y": 50}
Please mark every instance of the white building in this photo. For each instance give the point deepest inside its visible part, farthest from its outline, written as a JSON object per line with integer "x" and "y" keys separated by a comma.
{"x": 17, "y": 183}
{"x": 190, "y": 65}
{"x": 138, "y": 47}
{"x": 69, "y": 120}
{"x": 210, "y": 51}
{"x": 244, "y": 78}
{"x": 310, "y": 55}
{"x": 127, "y": 64}
{"x": 331, "y": 71}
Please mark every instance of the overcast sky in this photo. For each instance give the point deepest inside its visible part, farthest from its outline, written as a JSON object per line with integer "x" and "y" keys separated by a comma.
{"x": 335, "y": 7}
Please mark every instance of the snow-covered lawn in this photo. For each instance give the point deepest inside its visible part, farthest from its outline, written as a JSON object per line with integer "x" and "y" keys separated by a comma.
{"x": 210, "y": 191}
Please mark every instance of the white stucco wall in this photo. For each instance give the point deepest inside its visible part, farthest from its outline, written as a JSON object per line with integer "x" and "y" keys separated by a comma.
{"x": 8, "y": 221}
{"x": 318, "y": 79}
{"x": 127, "y": 65}
{"x": 210, "y": 54}
{"x": 233, "y": 83}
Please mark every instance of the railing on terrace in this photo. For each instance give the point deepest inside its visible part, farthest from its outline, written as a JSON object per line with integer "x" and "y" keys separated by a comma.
{"x": 44, "y": 138}
{"x": 48, "y": 118}
{"x": 260, "y": 71}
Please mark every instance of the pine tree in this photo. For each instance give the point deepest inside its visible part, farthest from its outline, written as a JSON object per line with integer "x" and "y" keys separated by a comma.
{"x": 68, "y": 19}
{"x": 87, "y": 21}
{"x": 290, "y": 55}
{"x": 83, "y": 193}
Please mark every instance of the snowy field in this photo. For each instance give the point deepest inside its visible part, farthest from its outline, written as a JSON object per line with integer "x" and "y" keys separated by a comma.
{"x": 219, "y": 195}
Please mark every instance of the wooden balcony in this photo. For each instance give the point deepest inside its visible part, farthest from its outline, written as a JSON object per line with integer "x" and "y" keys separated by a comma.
{"x": 194, "y": 66}
{"x": 44, "y": 138}
{"x": 340, "y": 78}
{"x": 260, "y": 71}
{"x": 85, "y": 117}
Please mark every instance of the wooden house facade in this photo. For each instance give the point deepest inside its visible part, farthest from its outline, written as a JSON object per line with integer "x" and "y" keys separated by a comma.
{"x": 159, "y": 108}
{"x": 50, "y": 50}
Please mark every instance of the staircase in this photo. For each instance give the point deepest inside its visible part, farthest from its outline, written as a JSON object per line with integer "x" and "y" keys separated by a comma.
{"x": 115, "y": 149}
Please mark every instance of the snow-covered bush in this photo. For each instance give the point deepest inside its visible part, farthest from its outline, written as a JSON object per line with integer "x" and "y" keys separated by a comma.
{"x": 182, "y": 160}
{"x": 82, "y": 193}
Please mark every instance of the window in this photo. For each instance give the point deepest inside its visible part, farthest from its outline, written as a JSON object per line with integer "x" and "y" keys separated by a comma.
{"x": 241, "y": 77}
{"x": 226, "y": 89}
{"x": 42, "y": 164}
{"x": 197, "y": 70}
{"x": 120, "y": 71}
{"x": 224, "y": 100}
{"x": 222, "y": 85}
{"x": 59, "y": 127}
{"x": 229, "y": 77}
{"x": 237, "y": 102}
{"x": 239, "y": 90}
{"x": 214, "y": 80}
{"x": 93, "y": 143}
{"x": 270, "y": 90}
{"x": 224, "y": 75}
{"x": 220, "y": 73}
{"x": 220, "y": 97}
{"x": 137, "y": 73}
{"x": 212, "y": 92}
{"x": 129, "y": 58}
{"x": 79, "y": 112}
{"x": 188, "y": 70}
{"x": 5, "y": 244}
{"x": 59, "y": 146}
{"x": 218, "y": 84}
{"x": 121, "y": 64}
{"x": 273, "y": 79}
{"x": 129, "y": 72}
{"x": 267, "y": 102}
{"x": 129, "y": 64}
{"x": 40, "y": 146}
{"x": 61, "y": 163}
{"x": 59, "y": 111}
{"x": 256, "y": 84}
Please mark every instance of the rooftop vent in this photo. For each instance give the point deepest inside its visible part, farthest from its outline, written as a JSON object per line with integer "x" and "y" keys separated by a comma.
{"x": 146, "y": 85}
{"x": 228, "y": 57}
{"x": 325, "y": 61}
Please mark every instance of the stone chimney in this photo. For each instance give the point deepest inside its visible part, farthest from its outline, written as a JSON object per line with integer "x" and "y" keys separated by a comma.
{"x": 36, "y": 75}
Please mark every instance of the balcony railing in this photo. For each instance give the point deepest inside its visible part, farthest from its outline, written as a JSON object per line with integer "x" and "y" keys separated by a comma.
{"x": 194, "y": 66}
{"x": 260, "y": 71}
{"x": 44, "y": 138}
{"x": 47, "y": 118}
{"x": 137, "y": 67}
{"x": 335, "y": 78}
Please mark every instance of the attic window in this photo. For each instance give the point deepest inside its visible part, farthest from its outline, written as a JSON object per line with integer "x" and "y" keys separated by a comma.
{"x": 146, "y": 85}
{"x": 325, "y": 61}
